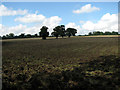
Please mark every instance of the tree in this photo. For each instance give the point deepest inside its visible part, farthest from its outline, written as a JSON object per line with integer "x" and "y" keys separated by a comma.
{"x": 55, "y": 34}
{"x": 98, "y": 33}
{"x": 114, "y": 33}
{"x": 103, "y": 33}
{"x": 35, "y": 35}
{"x": 56, "y": 31}
{"x": 62, "y": 30}
{"x": 28, "y": 35}
{"x": 107, "y": 33}
{"x": 4, "y": 37}
{"x": 59, "y": 31}
{"x": 11, "y": 35}
{"x": 68, "y": 32}
{"x": 90, "y": 33}
{"x": 71, "y": 31}
{"x": 43, "y": 33}
{"x": 22, "y": 35}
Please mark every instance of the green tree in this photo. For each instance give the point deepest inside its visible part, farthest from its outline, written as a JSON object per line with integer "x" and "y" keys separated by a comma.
{"x": 22, "y": 35}
{"x": 107, "y": 33}
{"x": 98, "y": 33}
{"x": 43, "y": 33}
{"x": 62, "y": 30}
{"x": 59, "y": 31}
{"x": 11, "y": 35}
{"x": 56, "y": 31}
{"x": 35, "y": 35}
{"x": 90, "y": 33}
{"x": 28, "y": 35}
{"x": 55, "y": 34}
{"x": 71, "y": 32}
{"x": 68, "y": 32}
{"x": 4, "y": 37}
{"x": 114, "y": 33}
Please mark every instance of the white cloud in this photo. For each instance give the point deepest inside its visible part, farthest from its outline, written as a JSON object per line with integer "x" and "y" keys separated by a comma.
{"x": 4, "y": 11}
{"x": 40, "y": 21}
{"x": 30, "y": 18}
{"x": 86, "y": 9}
{"x": 80, "y": 31}
{"x": 14, "y": 29}
{"x": 73, "y": 25}
{"x": 18, "y": 29}
{"x": 34, "y": 18}
{"x": 88, "y": 26}
{"x": 108, "y": 22}
{"x": 49, "y": 22}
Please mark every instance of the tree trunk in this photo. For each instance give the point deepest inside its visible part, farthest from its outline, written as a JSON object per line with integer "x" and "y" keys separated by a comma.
{"x": 43, "y": 38}
{"x": 56, "y": 37}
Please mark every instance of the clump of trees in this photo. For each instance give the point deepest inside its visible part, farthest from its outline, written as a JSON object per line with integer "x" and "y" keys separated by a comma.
{"x": 11, "y": 35}
{"x": 60, "y": 31}
{"x": 22, "y": 35}
{"x": 103, "y": 33}
{"x": 57, "y": 32}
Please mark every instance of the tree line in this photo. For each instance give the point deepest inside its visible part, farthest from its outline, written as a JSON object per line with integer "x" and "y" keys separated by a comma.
{"x": 103, "y": 33}
{"x": 57, "y": 32}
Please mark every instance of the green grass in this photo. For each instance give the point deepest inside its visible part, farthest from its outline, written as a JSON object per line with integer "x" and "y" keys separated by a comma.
{"x": 48, "y": 63}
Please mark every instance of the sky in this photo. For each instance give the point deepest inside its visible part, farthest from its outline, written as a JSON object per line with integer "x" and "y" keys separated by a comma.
{"x": 60, "y": 0}
{"x": 29, "y": 17}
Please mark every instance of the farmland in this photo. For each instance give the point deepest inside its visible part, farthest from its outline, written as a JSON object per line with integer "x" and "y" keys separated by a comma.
{"x": 74, "y": 63}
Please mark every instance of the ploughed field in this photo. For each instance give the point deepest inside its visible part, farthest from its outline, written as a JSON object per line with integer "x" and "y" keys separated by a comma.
{"x": 65, "y": 63}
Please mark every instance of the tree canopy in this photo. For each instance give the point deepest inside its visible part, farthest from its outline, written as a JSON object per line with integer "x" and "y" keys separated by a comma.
{"x": 43, "y": 33}
{"x": 103, "y": 33}
{"x": 59, "y": 31}
{"x": 71, "y": 32}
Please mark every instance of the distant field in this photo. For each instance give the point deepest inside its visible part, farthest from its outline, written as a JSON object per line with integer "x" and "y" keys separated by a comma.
{"x": 105, "y": 36}
{"x": 30, "y": 56}
{"x": 60, "y": 37}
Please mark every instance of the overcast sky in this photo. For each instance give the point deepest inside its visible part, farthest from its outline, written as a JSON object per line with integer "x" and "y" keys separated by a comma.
{"x": 26, "y": 17}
